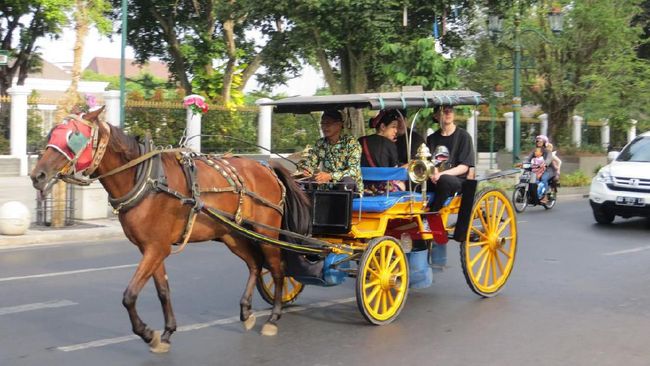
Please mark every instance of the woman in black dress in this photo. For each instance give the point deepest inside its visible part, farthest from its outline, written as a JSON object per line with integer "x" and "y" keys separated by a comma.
{"x": 379, "y": 149}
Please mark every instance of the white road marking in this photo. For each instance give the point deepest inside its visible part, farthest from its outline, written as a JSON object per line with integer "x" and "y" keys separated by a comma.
{"x": 65, "y": 273}
{"x": 196, "y": 326}
{"x": 628, "y": 251}
{"x": 36, "y": 306}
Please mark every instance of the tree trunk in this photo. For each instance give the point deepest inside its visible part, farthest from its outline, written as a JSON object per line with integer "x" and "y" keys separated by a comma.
{"x": 228, "y": 73}
{"x": 178, "y": 66}
{"x": 71, "y": 99}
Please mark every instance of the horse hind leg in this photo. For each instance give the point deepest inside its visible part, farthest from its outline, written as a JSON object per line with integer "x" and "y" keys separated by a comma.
{"x": 251, "y": 255}
{"x": 274, "y": 260}
{"x": 161, "y": 344}
{"x": 150, "y": 262}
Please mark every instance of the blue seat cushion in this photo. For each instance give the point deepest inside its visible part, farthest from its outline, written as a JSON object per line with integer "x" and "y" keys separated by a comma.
{"x": 381, "y": 203}
{"x": 383, "y": 174}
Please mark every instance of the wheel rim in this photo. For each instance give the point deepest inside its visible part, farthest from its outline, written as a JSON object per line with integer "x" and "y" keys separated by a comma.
{"x": 491, "y": 243}
{"x": 384, "y": 280}
{"x": 519, "y": 199}
{"x": 290, "y": 289}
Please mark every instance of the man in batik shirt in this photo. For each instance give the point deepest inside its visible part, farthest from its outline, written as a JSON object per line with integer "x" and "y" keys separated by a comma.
{"x": 340, "y": 155}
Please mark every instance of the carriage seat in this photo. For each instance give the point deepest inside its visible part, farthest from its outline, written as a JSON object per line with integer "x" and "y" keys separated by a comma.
{"x": 383, "y": 202}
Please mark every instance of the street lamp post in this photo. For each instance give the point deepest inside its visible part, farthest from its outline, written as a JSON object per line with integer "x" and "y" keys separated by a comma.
{"x": 495, "y": 27}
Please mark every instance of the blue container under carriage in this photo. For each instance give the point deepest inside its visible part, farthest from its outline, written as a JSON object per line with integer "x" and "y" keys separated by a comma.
{"x": 420, "y": 273}
{"x": 438, "y": 257}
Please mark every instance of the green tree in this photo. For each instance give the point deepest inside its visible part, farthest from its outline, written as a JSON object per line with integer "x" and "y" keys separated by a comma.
{"x": 22, "y": 23}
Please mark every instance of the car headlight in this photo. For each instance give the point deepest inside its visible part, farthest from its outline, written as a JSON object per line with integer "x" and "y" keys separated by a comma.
{"x": 603, "y": 176}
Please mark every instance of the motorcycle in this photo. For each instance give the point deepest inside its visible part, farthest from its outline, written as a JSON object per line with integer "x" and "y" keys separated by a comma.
{"x": 530, "y": 192}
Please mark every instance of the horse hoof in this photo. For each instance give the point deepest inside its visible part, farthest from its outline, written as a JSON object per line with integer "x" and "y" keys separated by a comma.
{"x": 269, "y": 329}
{"x": 250, "y": 322}
{"x": 156, "y": 345}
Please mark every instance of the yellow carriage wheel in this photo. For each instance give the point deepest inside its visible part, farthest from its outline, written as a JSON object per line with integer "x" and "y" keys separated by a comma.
{"x": 382, "y": 280}
{"x": 266, "y": 287}
{"x": 488, "y": 253}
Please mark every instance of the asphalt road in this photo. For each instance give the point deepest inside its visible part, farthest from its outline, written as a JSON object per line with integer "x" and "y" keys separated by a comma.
{"x": 578, "y": 295}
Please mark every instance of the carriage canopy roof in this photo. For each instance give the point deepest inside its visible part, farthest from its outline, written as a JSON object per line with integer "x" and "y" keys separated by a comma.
{"x": 376, "y": 101}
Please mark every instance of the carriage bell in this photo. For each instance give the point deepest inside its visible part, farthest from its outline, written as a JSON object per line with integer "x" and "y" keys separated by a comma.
{"x": 421, "y": 168}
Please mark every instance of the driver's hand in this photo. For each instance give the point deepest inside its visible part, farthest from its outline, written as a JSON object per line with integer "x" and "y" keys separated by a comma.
{"x": 306, "y": 173}
{"x": 323, "y": 177}
{"x": 519, "y": 165}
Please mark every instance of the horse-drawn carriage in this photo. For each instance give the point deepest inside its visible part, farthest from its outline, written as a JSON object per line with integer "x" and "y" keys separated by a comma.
{"x": 175, "y": 196}
{"x": 383, "y": 240}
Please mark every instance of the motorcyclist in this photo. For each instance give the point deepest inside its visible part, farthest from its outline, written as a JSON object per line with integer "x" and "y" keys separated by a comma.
{"x": 541, "y": 141}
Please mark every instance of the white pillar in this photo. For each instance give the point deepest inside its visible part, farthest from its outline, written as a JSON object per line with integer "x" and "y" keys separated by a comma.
{"x": 112, "y": 102}
{"x": 543, "y": 124}
{"x": 577, "y": 130}
{"x": 509, "y": 129}
{"x": 18, "y": 126}
{"x": 264, "y": 121}
{"x": 631, "y": 130}
{"x": 472, "y": 127}
{"x": 193, "y": 126}
{"x": 604, "y": 134}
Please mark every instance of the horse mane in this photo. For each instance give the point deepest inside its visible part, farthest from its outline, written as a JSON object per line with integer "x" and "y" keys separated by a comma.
{"x": 122, "y": 143}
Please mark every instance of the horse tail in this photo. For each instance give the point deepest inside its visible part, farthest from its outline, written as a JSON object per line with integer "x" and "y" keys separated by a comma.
{"x": 297, "y": 207}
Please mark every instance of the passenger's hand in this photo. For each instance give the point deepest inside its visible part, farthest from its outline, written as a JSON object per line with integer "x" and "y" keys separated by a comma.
{"x": 323, "y": 177}
{"x": 306, "y": 173}
{"x": 435, "y": 176}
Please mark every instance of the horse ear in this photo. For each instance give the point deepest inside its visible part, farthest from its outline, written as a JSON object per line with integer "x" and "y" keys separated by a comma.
{"x": 92, "y": 116}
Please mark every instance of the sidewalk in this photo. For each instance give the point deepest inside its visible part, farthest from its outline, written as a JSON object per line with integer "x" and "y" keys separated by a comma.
{"x": 20, "y": 189}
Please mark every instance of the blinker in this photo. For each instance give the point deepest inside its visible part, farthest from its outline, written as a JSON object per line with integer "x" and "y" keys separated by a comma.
{"x": 77, "y": 141}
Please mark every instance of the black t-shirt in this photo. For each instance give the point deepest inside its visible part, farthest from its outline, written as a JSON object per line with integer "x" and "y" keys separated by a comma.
{"x": 416, "y": 141}
{"x": 382, "y": 151}
{"x": 462, "y": 153}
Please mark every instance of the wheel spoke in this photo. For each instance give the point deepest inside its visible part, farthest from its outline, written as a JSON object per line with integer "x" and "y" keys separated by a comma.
{"x": 477, "y": 244}
{"x": 389, "y": 257}
{"x": 487, "y": 214}
{"x": 376, "y": 263}
{"x": 391, "y": 299}
{"x": 371, "y": 284}
{"x": 505, "y": 225}
{"x": 500, "y": 215}
{"x": 494, "y": 214}
{"x": 394, "y": 264}
{"x": 498, "y": 259}
{"x": 382, "y": 257}
{"x": 377, "y": 302}
{"x": 373, "y": 293}
{"x": 373, "y": 272}
{"x": 478, "y": 256}
{"x": 494, "y": 267}
{"x": 486, "y": 279}
{"x": 294, "y": 283}
{"x": 384, "y": 305}
{"x": 481, "y": 216}
{"x": 479, "y": 233}
{"x": 504, "y": 252}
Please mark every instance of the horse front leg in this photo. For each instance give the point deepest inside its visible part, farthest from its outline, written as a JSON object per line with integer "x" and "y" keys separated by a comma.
{"x": 164, "y": 295}
{"x": 149, "y": 263}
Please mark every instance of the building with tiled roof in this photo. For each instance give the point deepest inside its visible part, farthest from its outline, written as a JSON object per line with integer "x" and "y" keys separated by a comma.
{"x": 111, "y": 67}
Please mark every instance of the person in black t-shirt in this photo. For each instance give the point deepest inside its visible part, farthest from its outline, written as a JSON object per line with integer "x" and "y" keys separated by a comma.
{"x": 461, "y": 156}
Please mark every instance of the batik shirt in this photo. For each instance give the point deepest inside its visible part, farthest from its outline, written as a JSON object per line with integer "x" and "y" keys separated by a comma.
{"x": 341, "y": 159}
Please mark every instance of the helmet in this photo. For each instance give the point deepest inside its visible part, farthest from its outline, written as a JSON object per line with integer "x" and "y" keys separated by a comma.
{"x": 543, "y": 138}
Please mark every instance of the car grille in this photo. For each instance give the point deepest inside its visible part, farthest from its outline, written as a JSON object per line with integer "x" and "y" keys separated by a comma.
{"x": 630, "y": 184}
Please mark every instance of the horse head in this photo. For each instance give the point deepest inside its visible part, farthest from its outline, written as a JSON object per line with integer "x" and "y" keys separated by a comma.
{"x": 70, "y": 149}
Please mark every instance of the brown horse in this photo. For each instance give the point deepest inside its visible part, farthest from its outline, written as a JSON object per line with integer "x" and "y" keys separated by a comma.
{"x": 155, "y": 219}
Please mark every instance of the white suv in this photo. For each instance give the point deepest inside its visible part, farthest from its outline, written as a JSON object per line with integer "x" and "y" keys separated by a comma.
{"x": 622, "y": 188}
